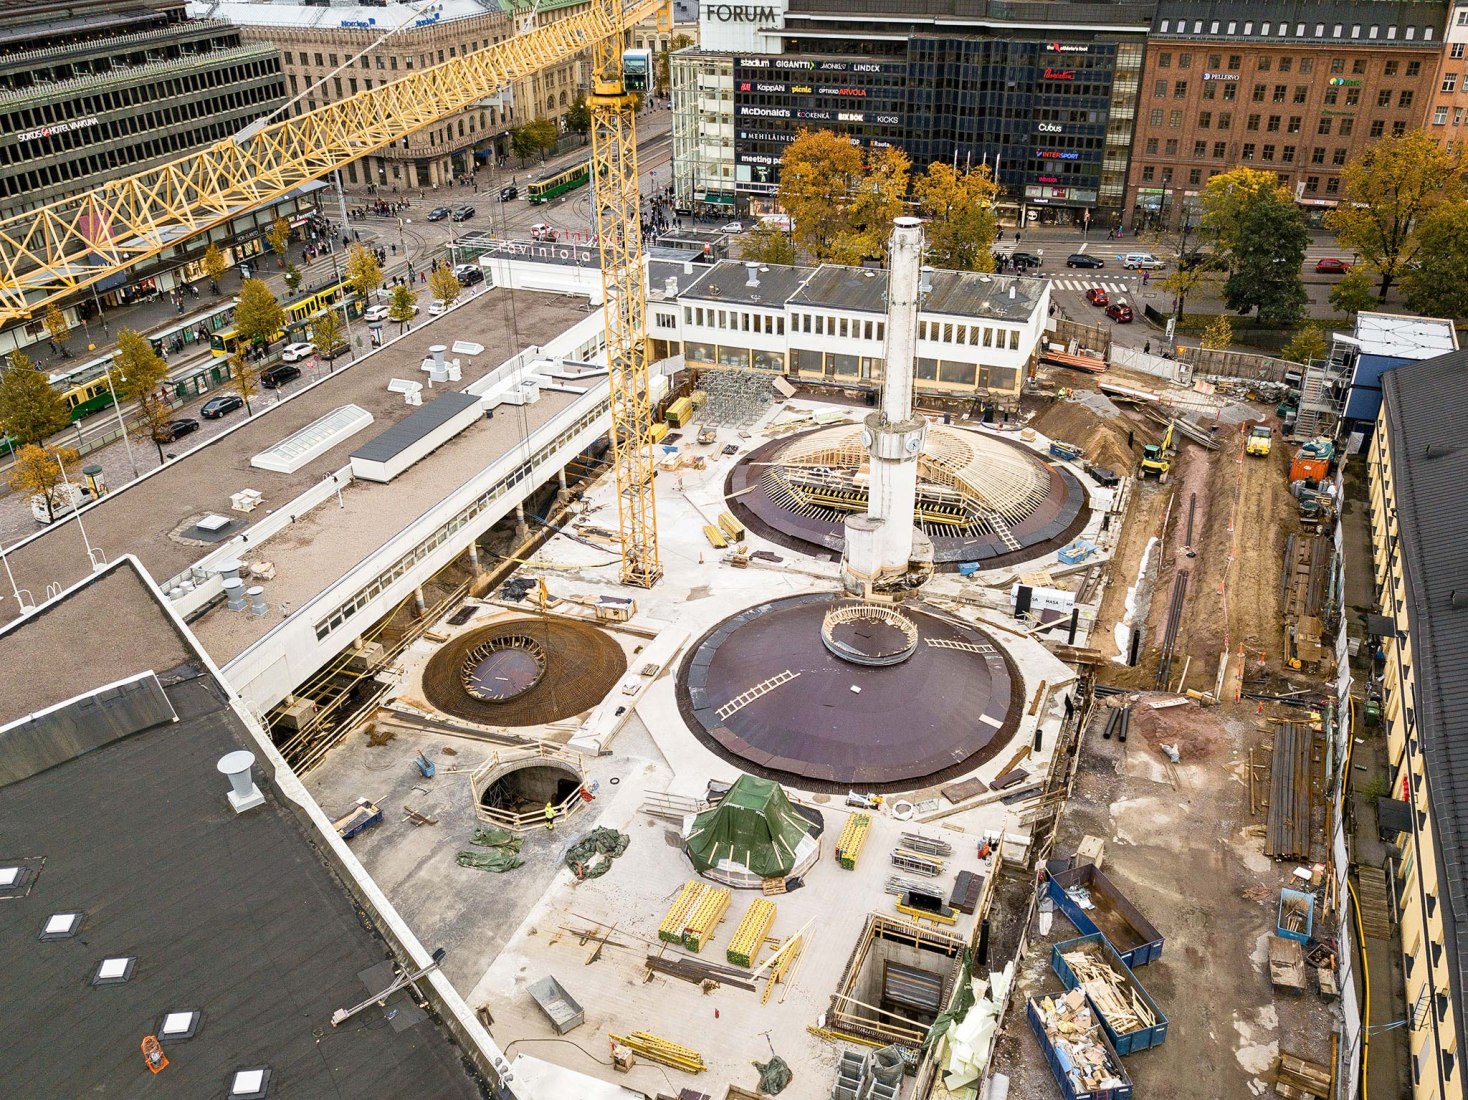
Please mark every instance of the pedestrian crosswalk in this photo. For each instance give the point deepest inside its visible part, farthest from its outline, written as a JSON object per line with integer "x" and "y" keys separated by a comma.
{"x": 1110, "y": 286}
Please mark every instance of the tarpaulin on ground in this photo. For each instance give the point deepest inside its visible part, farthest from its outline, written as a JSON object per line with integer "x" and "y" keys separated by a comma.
{"x": 592, "y": 855}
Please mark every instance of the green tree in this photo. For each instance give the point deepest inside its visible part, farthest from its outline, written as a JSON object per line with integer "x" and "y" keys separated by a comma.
{"x": 1437, "y": 287}
{"x": 137, "y": 370}
{"x": 1353, "y": 293}
{"x": 329, "y": 333}
{"x": 577, "y": 118}
{"x": 292, "y": 276}
{"x": 244, "y": 379}
{"x": 1183, "y": 281}
{"x": 279, "y": 237}
{"x": 402, "y": 305}
{"x": 1265, "y": 267}
{"x": 56, "y": 326}
{"x": 444, "y": 285}
{"x": 37, "y": 472}
{"x": 258, "y": 316}
{"x": 959, "y": 207}
{"x": 523, "y": 144}
{"x": 1226, "y": 201}
{"x": 214, "y": 265}
{"x": 30, "y": 410}
{"x": 363, "y": 272}
{"x": 544, "y": 133}
{"x": 842, "y": 204}
{"x": 767, "y": 245}
{"x": 1218, "y": 335}
{"x": 1306, "y": 344}
{"x": 154, "y": 414}
{"x": 1386, "y": 195}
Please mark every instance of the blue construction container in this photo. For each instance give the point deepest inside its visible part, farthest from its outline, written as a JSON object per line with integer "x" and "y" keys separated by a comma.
{"x": 1129, "y": 1043}
{"x": 1061, "y": 1070}
{"x": 1132, "y": 935}
{"x": 1295, "y": 902}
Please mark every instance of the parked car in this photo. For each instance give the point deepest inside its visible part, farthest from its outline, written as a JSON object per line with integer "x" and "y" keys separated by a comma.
{"x": 1119, "y": 312}
{"x": 1143, "y": 261}
{"x": 1024, "y": 259}
{"x": 437, "y": 306}
{"x": 1189, "y": 260}
{"x": 438, "y": 213}
{"x": 469, "y": 274}
{"x": 1080, "y": 259}
{"x": 508, "y": 192}
{"x": 216, "y": 407}
{"x": 294, "y": 353}
{"x": 732, "y": 227}
{"x": 176, "y": 429}
{"x": 540, "y": 231}
{"x": 375, "y": 313}
{"x": 463, "y": 213}
{"x": 1097, "y": 297}
{"x": 1331, "y": 266}
{"x": 279, "y": 375}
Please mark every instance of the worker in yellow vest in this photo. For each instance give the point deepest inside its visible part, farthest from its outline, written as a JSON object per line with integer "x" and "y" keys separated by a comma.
{"x": 550, "y": 816}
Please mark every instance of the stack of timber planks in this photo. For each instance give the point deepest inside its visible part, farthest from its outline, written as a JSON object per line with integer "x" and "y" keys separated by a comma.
{"x": 1298, "y": 1078}
{"x": 749, "y": 936}
{"x": 671, "y": 930}
{"x": 657, "y": 1049}
{"x": 853, "y": 836}
{"x": 1118, "y": 1002}
{"x": 708, "y": 911}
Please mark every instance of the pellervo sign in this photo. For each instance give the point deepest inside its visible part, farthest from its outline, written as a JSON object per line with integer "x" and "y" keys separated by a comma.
{"x": 735, "y": 27}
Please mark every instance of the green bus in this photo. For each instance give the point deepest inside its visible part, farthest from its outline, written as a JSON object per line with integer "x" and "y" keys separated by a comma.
{"x": 558, "y": 183}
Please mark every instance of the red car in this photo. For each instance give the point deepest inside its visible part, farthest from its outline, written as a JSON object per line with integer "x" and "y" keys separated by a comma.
{"x": 1119, "y": 312}
{"x": 1097, "y": 297}
{"x": 1331, "y": 266}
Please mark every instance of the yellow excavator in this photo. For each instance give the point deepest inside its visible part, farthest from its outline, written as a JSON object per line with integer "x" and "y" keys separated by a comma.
{"x": 1157, "y": 457}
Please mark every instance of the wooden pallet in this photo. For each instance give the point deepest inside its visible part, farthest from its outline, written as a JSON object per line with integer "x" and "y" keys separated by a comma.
{"x": 1302, "y": 1078}
{"x": 774, "y": 886}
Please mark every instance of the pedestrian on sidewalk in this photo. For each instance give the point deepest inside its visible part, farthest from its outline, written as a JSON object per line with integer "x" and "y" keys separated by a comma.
{"x": 1147, "y": 348}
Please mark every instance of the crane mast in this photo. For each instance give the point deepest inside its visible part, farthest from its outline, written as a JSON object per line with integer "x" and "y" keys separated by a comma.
{"x": 619, "y": 232}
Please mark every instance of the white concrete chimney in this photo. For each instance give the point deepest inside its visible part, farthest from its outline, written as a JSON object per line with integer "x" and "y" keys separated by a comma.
{"x": 670, "y": 286}
{"x": 234, "y": 591}
{"x": 243, "y": 795}
{"x": 751, "y": 273}
{"x": 256, "y": 596}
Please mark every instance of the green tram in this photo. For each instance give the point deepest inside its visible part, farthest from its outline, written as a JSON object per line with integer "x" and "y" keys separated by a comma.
{"x": 558, "y": 183}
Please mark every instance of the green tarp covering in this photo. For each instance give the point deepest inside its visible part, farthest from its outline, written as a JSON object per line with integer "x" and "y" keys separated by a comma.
{"x": 754, "y": 826}
{"x": 592, "y": 855}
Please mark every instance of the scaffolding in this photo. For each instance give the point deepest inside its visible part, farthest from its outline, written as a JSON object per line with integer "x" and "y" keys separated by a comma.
{"x": 736, "y": 398}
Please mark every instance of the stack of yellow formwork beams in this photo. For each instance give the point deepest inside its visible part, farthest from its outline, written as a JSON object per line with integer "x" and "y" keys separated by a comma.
{"x": 656, "y": 1049}
{"x": 853, "y": 836}
{"x": 708, "y": 911}
{"x": 671, "y": 930}
{"x": 751, "y": 932}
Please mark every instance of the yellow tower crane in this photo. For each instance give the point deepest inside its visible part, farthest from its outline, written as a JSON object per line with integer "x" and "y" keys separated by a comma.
{"x": 49, "y": 253}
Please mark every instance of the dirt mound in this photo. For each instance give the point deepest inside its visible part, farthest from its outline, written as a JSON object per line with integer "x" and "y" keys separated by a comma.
{"x": 582, "y": 664}
{"x": 1102, "y": 439}
{"x": 1196, "y": 732}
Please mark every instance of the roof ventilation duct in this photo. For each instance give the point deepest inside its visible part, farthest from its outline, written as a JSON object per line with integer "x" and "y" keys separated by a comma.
{"x": 236, "y": 766}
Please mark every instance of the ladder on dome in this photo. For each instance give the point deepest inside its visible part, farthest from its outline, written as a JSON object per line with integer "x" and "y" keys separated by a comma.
{"x": 764, "y": 687}
{"x": 999, "y": 527}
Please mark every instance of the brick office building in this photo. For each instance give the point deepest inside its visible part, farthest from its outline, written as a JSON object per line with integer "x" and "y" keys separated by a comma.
{"x": 1299, "y": 88}
{"x": 1449, "y": 107}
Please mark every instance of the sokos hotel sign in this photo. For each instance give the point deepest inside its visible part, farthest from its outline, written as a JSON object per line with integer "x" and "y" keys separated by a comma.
{"x": 734, "y": 26}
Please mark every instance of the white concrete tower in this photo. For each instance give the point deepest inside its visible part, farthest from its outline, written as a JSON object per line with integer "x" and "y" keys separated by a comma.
{"x": 883, "y": 548}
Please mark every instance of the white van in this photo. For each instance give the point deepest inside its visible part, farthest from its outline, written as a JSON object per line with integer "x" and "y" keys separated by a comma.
{"x": 1133, "y": 261}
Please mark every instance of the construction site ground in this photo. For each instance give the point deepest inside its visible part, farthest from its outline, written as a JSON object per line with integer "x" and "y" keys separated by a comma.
{"x": 1181, "y": 841}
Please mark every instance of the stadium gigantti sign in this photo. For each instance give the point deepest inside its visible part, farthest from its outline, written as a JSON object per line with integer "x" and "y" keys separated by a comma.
{"x": 739, "y": 13}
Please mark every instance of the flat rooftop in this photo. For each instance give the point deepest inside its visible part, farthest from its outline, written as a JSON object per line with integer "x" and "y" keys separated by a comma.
{"x": 233, "y": 917}
{"x": 323, "y": 543}
{"x": 149, "y": 517}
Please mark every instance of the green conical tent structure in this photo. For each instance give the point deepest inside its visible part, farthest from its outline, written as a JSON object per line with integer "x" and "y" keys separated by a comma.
{"x": 754, "y": 826}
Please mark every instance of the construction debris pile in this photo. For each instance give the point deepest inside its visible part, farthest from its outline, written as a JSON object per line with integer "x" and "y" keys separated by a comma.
{"x": 1077, "y": 1042}
{"x": 1113, "y": 997}
{"x": 592, "y": 855}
